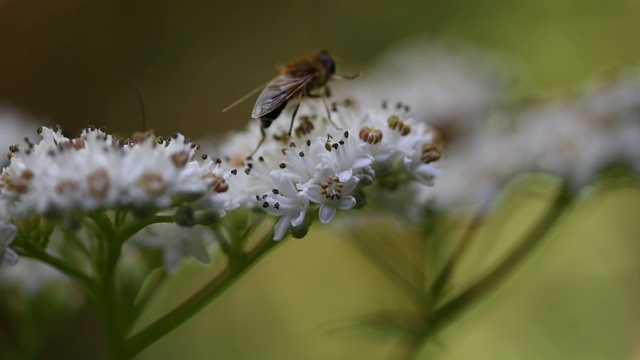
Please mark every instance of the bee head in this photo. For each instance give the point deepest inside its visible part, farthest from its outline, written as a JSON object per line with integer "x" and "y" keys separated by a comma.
{"x": 328, "y": 62}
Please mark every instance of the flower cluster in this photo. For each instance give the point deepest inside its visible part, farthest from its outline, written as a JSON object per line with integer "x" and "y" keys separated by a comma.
{"x": 96, "y": 171}
{"x": 574, "y": 138}
{"x": 326, "y": 162}
{"x": 63, "y": 178}
{"x": 452, "y": 86}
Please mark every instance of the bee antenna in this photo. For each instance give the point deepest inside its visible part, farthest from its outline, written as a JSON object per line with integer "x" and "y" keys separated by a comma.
{"x": 131, "y": 83}
{"x": 246, "y": 96}
{"x": 345, "y": 77}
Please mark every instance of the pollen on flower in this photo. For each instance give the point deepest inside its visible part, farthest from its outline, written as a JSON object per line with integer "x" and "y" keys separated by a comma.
{"x": 305, "y": 127}
{"x": 370, "y": 135}
{"x": 395, "y": 123}
{"x": 430, "y": 152}
{"x": 332, "y": 188}
{"x": 180, "y": 159}
{"x": 66, "y": 187}
{"x": 19, "y": 184}
{"x": 98, "y": 181}
{"x": 78, "y": 143}
{"x": 153, "y": 183}
{"x": 218, "y": 183}
{"x": 139, "y": 137}
{"x": 282, "y": 137}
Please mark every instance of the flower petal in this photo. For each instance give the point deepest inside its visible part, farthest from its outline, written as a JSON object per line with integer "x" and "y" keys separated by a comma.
{"x": 327, "y": 213}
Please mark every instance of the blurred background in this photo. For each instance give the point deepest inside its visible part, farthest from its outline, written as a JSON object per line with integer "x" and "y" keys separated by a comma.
{"x": 71, "y": 62}
{"x": 67, "y": 61}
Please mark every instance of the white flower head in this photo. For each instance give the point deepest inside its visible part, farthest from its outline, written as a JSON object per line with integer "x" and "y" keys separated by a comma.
{"x": 452, "y": 86}
{"x": 575, "y": 137}
{"x": 96, "y": 171}
{"x": 285, "y": 201}
{"x": 332, "y": 193}
{"x": 329, "y": 158}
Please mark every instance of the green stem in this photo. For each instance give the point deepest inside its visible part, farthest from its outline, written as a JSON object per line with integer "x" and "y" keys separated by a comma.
{"x": 131, "y": 229}
{"x": 443, "y": 315}
{"x": 113, "y": 310}
{"x": 32, "y": 251}
{"x": 385, "y": 265}
{"x": 438, "y": 285}
{"x": 199, "y": 300}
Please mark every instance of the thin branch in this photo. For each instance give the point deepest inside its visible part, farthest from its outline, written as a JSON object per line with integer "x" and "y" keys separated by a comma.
{"x": 199, "y": 300}
{"x": 444, "y": 314}
{"x": 438, "y": 285}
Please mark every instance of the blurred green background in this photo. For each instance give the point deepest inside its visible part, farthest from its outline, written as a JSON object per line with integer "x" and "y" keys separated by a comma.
{"x": 65, "y": 61}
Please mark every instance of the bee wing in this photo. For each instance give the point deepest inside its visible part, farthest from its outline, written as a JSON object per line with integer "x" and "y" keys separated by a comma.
{"x": 277, "y": 92}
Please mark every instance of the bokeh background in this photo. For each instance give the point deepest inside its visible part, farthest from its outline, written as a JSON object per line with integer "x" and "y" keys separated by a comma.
{"x": 66, "y": 61}
{"x": 69, "y": 62}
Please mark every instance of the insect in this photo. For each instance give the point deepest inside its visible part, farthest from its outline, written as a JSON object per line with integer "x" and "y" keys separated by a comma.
{"x": 306, "y": 76}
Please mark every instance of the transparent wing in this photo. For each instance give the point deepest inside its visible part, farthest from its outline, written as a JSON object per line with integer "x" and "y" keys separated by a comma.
{"x": 277, "y": 92}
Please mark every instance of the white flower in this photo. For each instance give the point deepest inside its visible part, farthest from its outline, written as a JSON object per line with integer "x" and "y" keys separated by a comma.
{"x": 287, "y": 202}
{"x": 574, "y": 138}
{"x": 7, "y": 234}
{"x": 348, "y": 155}
{"x": 451, "y": 86}
{"x": 323, "y": 166}
{"x": 176, "y": 242}
{"x": 96, "y": 171}
{"x": 332, "y": 193}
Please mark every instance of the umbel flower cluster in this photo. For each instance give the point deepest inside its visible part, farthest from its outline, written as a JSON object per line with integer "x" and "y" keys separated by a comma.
{"x": 59, "y": 175}
{"x": 116, "y": 216}
{"x": 62, "y": 180}
{"x": 326, "y": 163}
{"x": 323, "y": 167}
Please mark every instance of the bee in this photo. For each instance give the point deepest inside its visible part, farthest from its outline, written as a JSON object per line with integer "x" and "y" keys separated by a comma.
{"x": 306, "y": 76}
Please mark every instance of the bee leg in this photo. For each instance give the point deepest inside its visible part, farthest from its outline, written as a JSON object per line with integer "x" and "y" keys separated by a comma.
{"x": 263, "y": 133}
{"x": 327, "y": 91}
{"x": 326, "y": 107}
{"x": 293, "y": 116}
